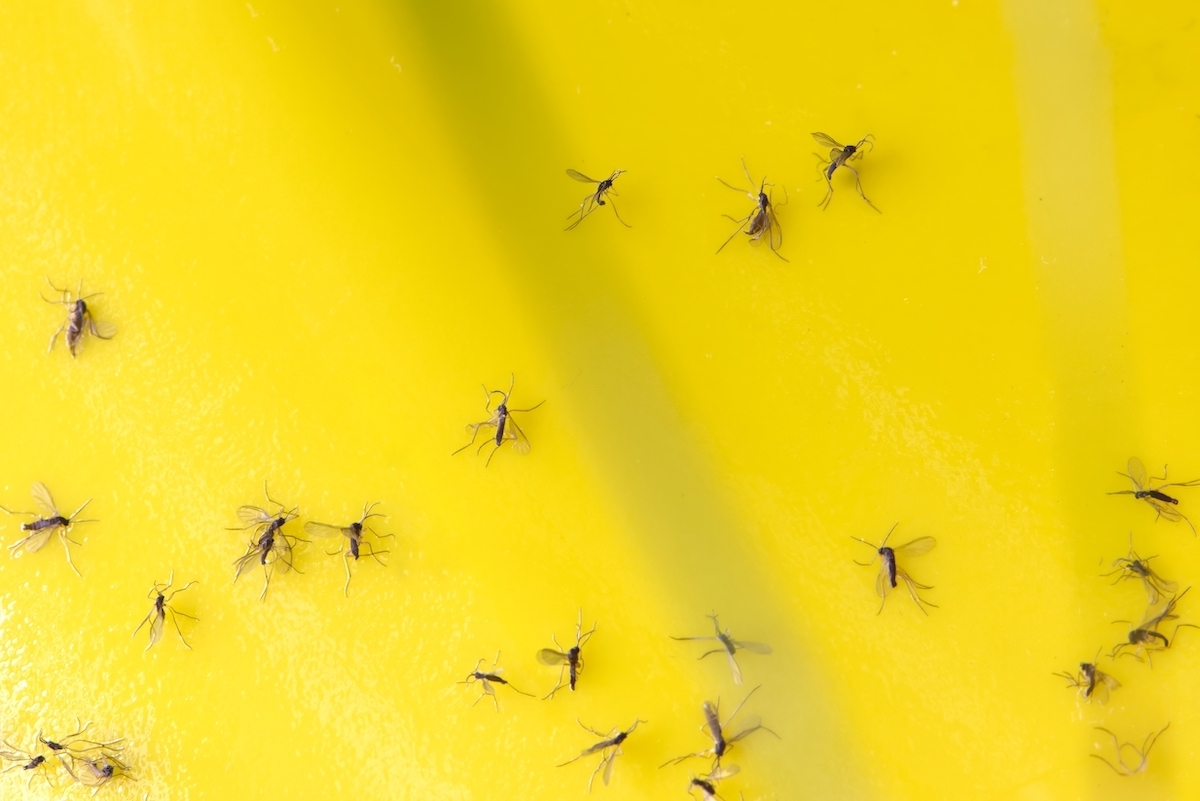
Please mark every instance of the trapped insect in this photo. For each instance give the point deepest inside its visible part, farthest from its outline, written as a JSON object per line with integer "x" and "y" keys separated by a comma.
{"x": 604, "y": 189}
{"x": 707, "y": 785}
{"x": 570, "y": 661}
{"x": 74, "y": 744}
{"x": 79, "y": 319}
{"x": 1093, "y": 684}
{"x": 716, "y": 730}
{"x": 839, "y": 156}
{"x": 1134, "y": 566}
{"x": 1162, "y": 503}
{"x": 162, "y": 594}
{"x": 353, "y": 542}
{"x": 889, "y": 571}
{"x": 271, "y": 547}
{"x": 762, "y": 221}
{"x": 1146, "y": 638}
{"x": 729, "y": 647}
{"x": 609, "y": 747}
{"x": 23, "y": 760}
{"x": 95, "y": 772}
{"x": 488, "y": 679}
{"x": 1122, "y": 767}
{"x": 501, "y": 420}
{"x": 45, "y": 526}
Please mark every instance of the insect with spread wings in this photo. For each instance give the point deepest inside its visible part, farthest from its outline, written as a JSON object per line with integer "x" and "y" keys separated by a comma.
{"x": 502, "y": 420}
{"x": 762, "y": 221}
{"x": 271, "y": 546}
{"x": 604, "y": 189}
{"x": 840, "y": 156}
{"x": 707, "y": 785}
{"x": 162, "y": 594}
{"x": 1093, "y": 684}
{"x": 353, "y": 542}
{"x": 1134, "y": 566}
{"x": 609, "y": 747}
{"x": 1163, "y": 504}
{"x": 487, "y": 680}
{"x": 729, "y": 647}
{"x": 79, "y": 319}
{"x": 889, "y": 571}
{"x": 716, "y": 730}
{"x": 45, "y": 526}
{"x": 570, "y": 661}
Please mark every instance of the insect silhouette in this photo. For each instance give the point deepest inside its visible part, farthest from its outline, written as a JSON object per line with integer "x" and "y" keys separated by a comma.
{"x": 604, "y": 189}
{"x": 353, "y": 542}
{"x": 487, "y": 681}
{"x": 729, "y": 647}
{"x": 74, "y": 744}
{"x": 609, "y": 747}
{"x": 707, "y": 785}
{"x": 50, "y": 522}
{"x": 162, "y": 594}
{"x": 1093, "y": 684}
{"x": 1135, "y": 567}
{"x": 24, "y": 760}
{"x": 840, "y": 156}
{"x": 1146, "y": 638}
{"x": 270, "y": 547}
{"x": 79, "y": 319}
{"x": 501, "y": 420}
{"x": 94, "y": 772}
{"x": 762, "y": 221}
{"x": 889, "y": 571}
{"x": 716, "y": 730}
{"x": 1122, "y": 767}
{"x": 1163, "y": 504}
{"x": 569, "y": 662}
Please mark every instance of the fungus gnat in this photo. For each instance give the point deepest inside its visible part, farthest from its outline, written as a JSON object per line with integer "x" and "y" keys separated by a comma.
{"x": 503, "y": 421}
{"x": 1163, "y": 504}
{"x": 25, "y": 760}
{"x": 569, "y": 661}
{"x": 716, "y": 730}
{"x": 596, "y": 199}
{"x": 95, "y": 772}
{"x": 889, "y": 571}
{"x": 354, "y": 542}
{"x": 707, "y": 785}
{"x": 1093, "y": 684}
{"x": 75, "y": 745}
{"x": 271, "y": 546}
{"x": 1146, "y": 637}
{"x": 1121, "y": 767}
{"x": 487, "y": 680}
{"x": 762, "y": 220}
{"x": 729, "y": 647}
{"x": 43, "y": 527}
{"x": 609, "y": 747}
{"x": 1134, "y": 566}
{"x": 162, "y": 594}
{"x": 79, "y": 319}
{"x": 839, "y": 156}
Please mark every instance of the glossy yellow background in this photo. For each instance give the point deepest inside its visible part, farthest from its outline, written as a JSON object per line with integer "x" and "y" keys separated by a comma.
{"x": 319, "y": 227}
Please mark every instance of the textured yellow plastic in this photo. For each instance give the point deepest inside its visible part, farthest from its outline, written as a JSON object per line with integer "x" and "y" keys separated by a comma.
{"x": 319, "y": 227}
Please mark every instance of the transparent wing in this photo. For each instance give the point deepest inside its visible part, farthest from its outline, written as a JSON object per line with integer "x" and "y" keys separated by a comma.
{"x": 1137, "y": 472}
{"x": 252, "y": 514}
{"x": 753, "y": 647}
{"x": 250, "y": 558}
{"x": 520, "y": 442}
{"x": 578, "y": 176}
{"x": 1165, "y": 510}
{"x": 735, "y": 669}
{"x": 712, "y": 720}
{"x": 608, "y": 765}
{"x": 101, "y": 329}
{"x": 919, "y": 546}
{"x": 751, "y": 725}
{"x": 775, "y": 232}
{"x": 723, "y": 772}
{"x": 156, "y": 628}
{"x": 882, "y": 585}
{"x": 825, "y": 140}
{"x": 37, "y": 540}
{"x": 548, "y": 656}
{"x": 41, "y": 496}
{"x": 326, "y": 530}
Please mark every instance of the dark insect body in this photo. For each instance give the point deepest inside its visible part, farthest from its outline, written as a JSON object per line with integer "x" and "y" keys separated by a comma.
{"x": 596, "y": 199}
{"x": 839, "y": 156}
{"x": 762, "y": 221}
{"x": 504, "y": 423}
{"x": 571, "y": 660}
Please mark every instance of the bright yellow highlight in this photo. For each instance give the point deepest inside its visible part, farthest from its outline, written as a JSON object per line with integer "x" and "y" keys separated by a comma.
{"x": 318, "y": 228}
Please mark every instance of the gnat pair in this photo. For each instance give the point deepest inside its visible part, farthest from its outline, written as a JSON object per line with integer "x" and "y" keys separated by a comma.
{"x": 272, "y": 548}
{"x": 91, "y": 763}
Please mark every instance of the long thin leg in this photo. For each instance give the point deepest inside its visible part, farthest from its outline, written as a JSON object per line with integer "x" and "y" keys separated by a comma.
{"x": 67, "y": 547}
{"x": 175, "y": 622}
{"x": 858, "y": 186}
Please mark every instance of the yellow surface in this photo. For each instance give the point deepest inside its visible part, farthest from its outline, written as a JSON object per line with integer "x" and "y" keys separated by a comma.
{"x": 319, "y": 227}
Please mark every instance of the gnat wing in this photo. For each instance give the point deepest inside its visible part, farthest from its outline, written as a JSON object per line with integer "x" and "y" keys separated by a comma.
{"x": 735, "y": 669}
{"x": 252, "y": 514}
{"x": 156, "y": 628}
{"x": 825, "y": 140}
{"x": 41, "y": 496}
{"x": 921, "y": 545}
{"x": 751, "y": 725}
{"x": 101, "y": 329}
{"x": 1137, "y": 472}
{"x": 1165, "y": 510}
{"x": 520, "y": 443}
{"x": 549, "y": 656}
{"x": 578, "y": 176}
{"x": 712, "y": 721}
{"x": 608, "y": 766}
{"x": 753, "y": 647}
{"x": 35, "y": 541}
{"x": 326, "y": 530}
